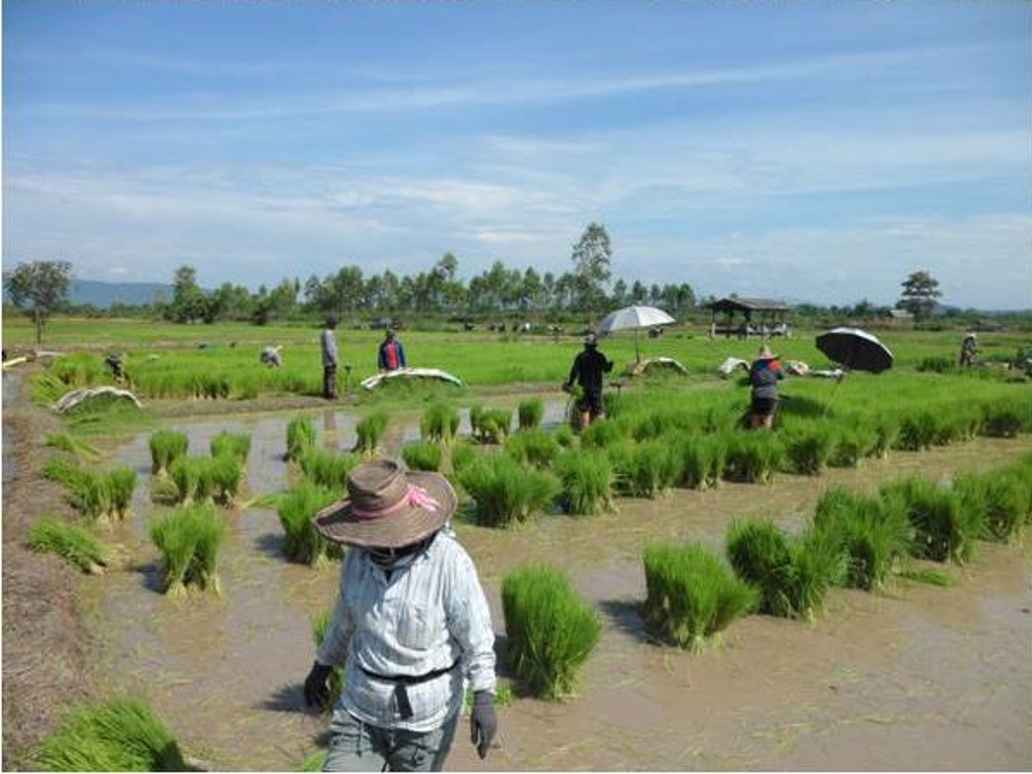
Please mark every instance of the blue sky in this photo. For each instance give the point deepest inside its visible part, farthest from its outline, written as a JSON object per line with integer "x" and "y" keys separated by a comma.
{"x": 813, "y": 151}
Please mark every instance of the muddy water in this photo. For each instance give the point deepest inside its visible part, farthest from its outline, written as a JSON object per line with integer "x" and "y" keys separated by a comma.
{"x": 922, "y": 678}
{"x": 11, "y": 391}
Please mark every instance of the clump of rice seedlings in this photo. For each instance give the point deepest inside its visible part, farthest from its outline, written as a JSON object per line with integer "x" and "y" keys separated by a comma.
{"x": 692, "y": 594}
{"x": 1001, "y": 420}
{"x": 89, "y": 492}
{"x": 120, "y": 734}
{"x": 551, "y": 630}
{"x": 753, "y": 457}
{"x": 320, "y": 624}
{"x": 853, "y": 444}
{"x": 587, "y": 482}
{"x": 296, "y": 509}
{"x": 226, "y": 476}
{"x": 943, "y": 528}
{"x": 314, "y": 761}
{"x": 650, "y": 469}
{"x": 68, "y": 443}
{"x": 603, "y": 433}
{"x": 193, "y": 478}
{"x": 874, "y": 533}
{"x": 369, "y": 432}
{"x": 928, "y": 575}
{"x": 490, "y": 425}
{"x": 808, "y": 448}
{"x": 71, "y": 542}
{"x": 534, "y": 447}
{"x": 423, "y": 456}
{"x": 300, "y": 436}
{"x": 791, "y": 575}
{"x": 565, "y": 437}
{"x": 701, "y": 460}
{"x": 121, "y": 483}
{"x": 1001, "y": 498}
{"x": 189, "y": 539}
{"x": 166, "y": 446}
{"x": 938, "y": 364}
{"x": 530, "y": 412}
{"x": 504, "y": 491}
{"x": 886, "y": 428}
{"x": 237, "y": 445}
{"x": 440, "y": 423}
{"x": 327, "y": 468}
{"x": 462, "y": 456}
{"x": 917, "y": 431}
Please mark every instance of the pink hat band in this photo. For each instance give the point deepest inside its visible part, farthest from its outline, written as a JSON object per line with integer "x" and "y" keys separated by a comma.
{"x": 414, "y": 497}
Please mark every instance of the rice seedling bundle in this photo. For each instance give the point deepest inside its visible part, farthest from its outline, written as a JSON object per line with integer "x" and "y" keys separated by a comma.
{"x": 651, "y": 469}
{"x": 533, "y": 447}
{"x": 88, "y": 491}
{"x": 551, "y": 630}
{"x": 886, "y": 428}
{"x": 1001, "y": 497}
{"x": 1001, "y": 420}
{"x": 423, "y": 456}
{"x": 754, "y": 456}
{"x": 604, "y": 433}
{"x": 67, "y": 443}
{"x": 369, "y": 432}
{"x": 121, "y": 484}
{"x": 692, "y": 594}
{"x": 189, "y": 539}
{"x": 530, "y": 412}
{"x": 565, "y": 437}
{"x": 504, "y": 491}
{"x": 917, "y": 430}
{"x": 237, "y": 445}
{"x": 462, "y": 456}
{"x": 943, "y": 528}
{"x": 587, "y": 482}
{"x": 852, "y": 445}
{"x": 808, "y": 447}
{"x": 440, "y": 422}
{"x": 166, "y": 446}
{"x": 939, "y": 365}
{"x": 193, "y": 478}
{"x": 327, "y": 468}
{"x": 494, "y": 425}
{"x": 314, "y": 761}
{"x": 120, "y": 734}
{"x": 71, "y": 542}
{"x": 300, "y": 436}
{"x": 296, "y": 509}
{"x": 320, "y": 625}
{"x": 226, "y": 476}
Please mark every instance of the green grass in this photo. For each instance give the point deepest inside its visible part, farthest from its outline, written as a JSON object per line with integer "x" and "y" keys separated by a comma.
{"x": 296, "y": 509}
{"x": 320, "y": 624}
{"x": 505, "y": 492}
{"x": 462, "y": 456}
{"x": 530, "y": 412}
{"x": 943, "y": 528}
{"x": 587, "y": 482}
{"x": 300, "y": 436}
{"x": 166, "y": 446}
{"x": 326, "y": 468}
{"x": 691, "y": 595}
{"x": 369, "y": 432}
{"x": 78, "y": 448}
{"x": 533, "y": 447}
{"x": 439, "y": 423}
{"x": 189, "y": 539}
{"x": 423, "y": 456}
{"x": 120, "y": 734}
{"x": 74, "y": 544}
{"x": 237, "y": 445}
{"x": 550, "y": 630}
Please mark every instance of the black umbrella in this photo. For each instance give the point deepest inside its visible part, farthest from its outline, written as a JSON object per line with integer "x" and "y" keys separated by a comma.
{"x": 855, "y": 350}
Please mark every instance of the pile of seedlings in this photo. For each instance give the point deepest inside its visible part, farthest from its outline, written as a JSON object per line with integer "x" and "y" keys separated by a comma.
{"x": 423, "y": 455}
{"x": 236, "y": 445}
{"x": 440, "y": 423}
{"x": 504, "y": 491}
{"x": 167, "y": 446}
{"x": 79, "y": 449}
{"x": 98, "y": 495}
{"x": 490, "y": 425}
{"x": 189, "y": 539}
{"x": 296, "y": 509}
{"x": 327, "y": 468}
{"x": 587, "y": 482}
{"x": 73, "y": 543}
{"x": 200, "y": 480}
{"x": 533, "y": 447}
{"x": 300, "y": 437}
{"x": 530, "y": 412}
{"x": 370, "y": 432}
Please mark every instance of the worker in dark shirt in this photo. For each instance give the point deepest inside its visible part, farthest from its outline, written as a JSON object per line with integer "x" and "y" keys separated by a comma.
{"x": 392, "y": 354}
{"x": 587, "y": 371}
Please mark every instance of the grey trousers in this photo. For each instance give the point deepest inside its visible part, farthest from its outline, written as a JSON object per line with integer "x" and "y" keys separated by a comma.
{"x": 356, "y": 746}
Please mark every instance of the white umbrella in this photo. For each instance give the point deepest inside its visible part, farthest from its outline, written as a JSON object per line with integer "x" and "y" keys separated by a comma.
{"x": 634, "y": 318}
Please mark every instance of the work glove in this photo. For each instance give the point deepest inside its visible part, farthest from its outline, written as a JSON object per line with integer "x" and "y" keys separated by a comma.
{"x": 317, "y": 694}
{"x": 483, "y": 723}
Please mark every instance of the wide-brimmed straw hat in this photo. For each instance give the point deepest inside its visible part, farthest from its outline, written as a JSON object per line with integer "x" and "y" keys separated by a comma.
{"x": 388, "y": 507}
{"x": 766, "y": 354}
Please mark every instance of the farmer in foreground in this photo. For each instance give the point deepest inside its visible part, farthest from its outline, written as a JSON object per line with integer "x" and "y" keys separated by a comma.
{"x": 764, "y": 375}
{"x": 329, "y": 359}
{"x": 392, "y": 354}
{"x": 587, "y": 370}
{"x": 411, "y": 624}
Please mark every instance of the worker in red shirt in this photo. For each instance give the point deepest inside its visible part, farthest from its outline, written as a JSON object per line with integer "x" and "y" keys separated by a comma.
{"x": 392, "y": 354}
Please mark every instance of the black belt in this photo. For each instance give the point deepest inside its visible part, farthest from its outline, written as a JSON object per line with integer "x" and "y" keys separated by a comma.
{"x": 402, "y": 681}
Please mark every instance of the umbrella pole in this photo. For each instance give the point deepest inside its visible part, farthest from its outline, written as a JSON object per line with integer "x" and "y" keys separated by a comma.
{"x": 637, "y": 354}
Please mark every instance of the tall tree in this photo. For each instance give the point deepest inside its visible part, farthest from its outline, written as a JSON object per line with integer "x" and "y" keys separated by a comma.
{"x": 188, "y": 301}
{"x": 591, "y": 257}
{"x": 38, "y": 288}
{"x": 920, "y": 291}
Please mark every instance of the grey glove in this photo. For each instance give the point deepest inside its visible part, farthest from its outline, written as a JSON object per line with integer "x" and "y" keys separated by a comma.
{"x": 483, "y": 723}
{"x": 316, "y": 691}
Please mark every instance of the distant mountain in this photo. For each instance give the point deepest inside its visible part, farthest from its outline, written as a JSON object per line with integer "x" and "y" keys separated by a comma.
{"x": 103, "y": 294}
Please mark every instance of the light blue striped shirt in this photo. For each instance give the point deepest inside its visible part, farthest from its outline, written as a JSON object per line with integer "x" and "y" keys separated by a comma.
{"x": 430, "y": 614}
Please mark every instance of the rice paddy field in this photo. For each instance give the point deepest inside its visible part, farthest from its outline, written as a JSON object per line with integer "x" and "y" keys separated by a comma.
{"x": 852, "y": 590}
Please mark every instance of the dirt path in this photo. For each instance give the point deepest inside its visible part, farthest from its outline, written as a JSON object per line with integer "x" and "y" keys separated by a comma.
{"x": 921, "y": 678}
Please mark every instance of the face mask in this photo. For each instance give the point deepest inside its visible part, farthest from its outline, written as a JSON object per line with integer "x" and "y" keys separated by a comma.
{"x": 385, "y": 557}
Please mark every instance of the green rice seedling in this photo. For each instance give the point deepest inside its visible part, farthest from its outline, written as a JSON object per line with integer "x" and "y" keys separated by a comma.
{"x": 314, "y": 761}
{"x": 462, "y": 456}
{"x": 818, "y": 563}
{"x": 917, "y": 431}
{"x": 194, "y": 480}
{"x": 929, "y": 576}
{"x": 237, "y": 445}
{"x": 189, "y": 539}
{"x": 226, "y": 476}
{"x": 423, "y": 456}
{"x": 120, "y": 734}
{"x": 692, "y": 594}
{"x": 67, "y": 443}
{"x": 603, "y": 433}
{"x": 533, "y": 447}
{"x": 530, "y": 412}
{"x": 874, "y": 533}
{"x": 565, "y": 437}
{"x": 166, "y": 446}
{"x": 495, "y": 425}
{"x": 939, "y": 365}
{"x": 71, "y": 542}
{"x": 296, "y": 510}
{"x": 1001, "y": 420}
{"x": 694, "y": 455}
{"x": 89, "y": 492}
{"x": 327, "y": 468}
{"x": 853, "y": 444}
{"x": 551, "y": 630}
{"x": 121, "y": 483}
{"x": 886, "y": 428}
{"x": 320, "y": 624}
{"x": 1002, "y": 499}
{"x": 653, "y": 468}
{"x": 476, "y": 419}
{"x": 504, "y": 491}
{"x": 753, "y": 457}
{"x": 369, "y": 432}
{"x": 809, "y": 447}
{"x": 440, "y": 423}
{"x": 300, "y": 436}
{"x": 587, "y": 482}
{"x": 943, "y": 528}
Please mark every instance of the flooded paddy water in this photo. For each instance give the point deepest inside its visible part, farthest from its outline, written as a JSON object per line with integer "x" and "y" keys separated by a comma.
{"x": 916, "y": 678}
